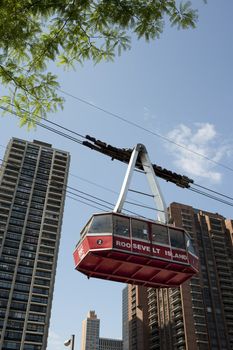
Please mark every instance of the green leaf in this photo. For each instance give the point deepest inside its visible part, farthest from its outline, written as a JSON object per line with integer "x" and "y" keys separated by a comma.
{"x": 36, "y": 33}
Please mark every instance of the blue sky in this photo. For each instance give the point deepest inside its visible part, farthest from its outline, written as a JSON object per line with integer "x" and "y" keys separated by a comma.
{"x": 179, "y": 86}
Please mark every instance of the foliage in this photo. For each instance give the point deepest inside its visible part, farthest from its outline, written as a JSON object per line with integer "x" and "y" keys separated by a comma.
{"x": 36, "y": 32}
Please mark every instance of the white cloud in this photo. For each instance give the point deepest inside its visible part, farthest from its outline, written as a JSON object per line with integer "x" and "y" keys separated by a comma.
{"x": 203, "y": 139}
{"x": 204, "y": 134}
{"x": 55, "y": 342}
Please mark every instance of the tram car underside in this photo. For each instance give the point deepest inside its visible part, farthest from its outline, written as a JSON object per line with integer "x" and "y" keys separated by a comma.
{"x": 124, "y": 249}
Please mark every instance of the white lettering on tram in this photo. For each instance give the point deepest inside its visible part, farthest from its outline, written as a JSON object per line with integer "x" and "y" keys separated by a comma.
{"x": 168, "y": 252}
{"x": 81, "y": 253}
{"x": 123, "y": 244}
{"x": 141, "y": 247}
{"x": 180, "y": 256}
{"x": 156, "y": 250}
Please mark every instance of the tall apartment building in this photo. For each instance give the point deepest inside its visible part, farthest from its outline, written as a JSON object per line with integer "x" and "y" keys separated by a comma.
{"x": 90, "y": 332}
{"x": 91, "y": 335}
{"x": 125, "y": 323}
{"x": 137, "y": 318}
{"x": 33, "y": 178}
{"x": 199, "y": 314}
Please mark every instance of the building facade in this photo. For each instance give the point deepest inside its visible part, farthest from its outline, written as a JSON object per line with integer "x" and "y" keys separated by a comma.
{"x": 33, "y": 178}
{"x": 199, "y": 314}
{"x": 90, "y": 332}
{"x": 110, "y": 344}
{"x": 91, "y": 335}
{"x": 137, "y": 318}
{"x": 125, "y": 323}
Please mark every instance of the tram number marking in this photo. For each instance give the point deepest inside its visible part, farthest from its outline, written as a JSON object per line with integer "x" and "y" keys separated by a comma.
{"x": 99, "y": 241}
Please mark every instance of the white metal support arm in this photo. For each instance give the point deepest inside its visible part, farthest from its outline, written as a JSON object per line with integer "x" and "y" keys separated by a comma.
{"x": 141, "y": 152}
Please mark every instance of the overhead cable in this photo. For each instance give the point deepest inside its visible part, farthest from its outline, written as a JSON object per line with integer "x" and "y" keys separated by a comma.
{"x": 211, "y": 196}
{"x": 164, "y": 138}
{"x": 213, "y": 191}
{"x": 138, "y": 126}
{"x": 124, "y": 154}
{"x": 89, "y": 197}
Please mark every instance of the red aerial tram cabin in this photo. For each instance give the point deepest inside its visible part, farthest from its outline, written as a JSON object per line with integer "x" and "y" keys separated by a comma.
{"x": 120, "y": 248}
{"x": 117, "y": 247}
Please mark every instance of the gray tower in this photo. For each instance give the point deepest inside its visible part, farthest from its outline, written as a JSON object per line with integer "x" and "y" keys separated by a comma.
{"x": 33, "y": 177}
{"x": 90, "y": 332}
{"x": 125, "y": 323}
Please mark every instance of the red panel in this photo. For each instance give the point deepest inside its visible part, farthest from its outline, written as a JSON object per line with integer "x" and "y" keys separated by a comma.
{"x": 151, "y": 266}
{"x": 81, "y": 251}
{"x": 137, "y": 259}
{"x": 163, "y": 276}
{"x": 100, "y": 242}
{"x": 180, "y": 278}
{"x": 193, "y": 260}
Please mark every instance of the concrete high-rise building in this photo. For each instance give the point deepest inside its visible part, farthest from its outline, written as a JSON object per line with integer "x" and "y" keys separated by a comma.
{"x": 125, "y": 323}
{"x": 199, "y": 314}
{"x": 90, "y": 332}
{"x": 33, "y": 177}
{"x": 137, "y": 318}
{"x": 91, "y": 335}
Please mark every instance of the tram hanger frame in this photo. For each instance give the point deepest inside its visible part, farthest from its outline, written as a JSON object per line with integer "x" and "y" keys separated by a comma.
{"x": 140, "y": 153}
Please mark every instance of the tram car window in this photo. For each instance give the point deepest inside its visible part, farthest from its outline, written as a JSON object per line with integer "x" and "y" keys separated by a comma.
{"x": 177, "y": 238}
{"x": 160, "y": 234}
{"x": 189, "y": 244}
{"x": 101, "y": 224}
{"x": 140, "y": 229}
{"x": 121, "y": 226}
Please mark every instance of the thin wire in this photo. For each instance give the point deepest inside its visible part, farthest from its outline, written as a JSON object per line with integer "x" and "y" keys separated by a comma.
{"x": 71, "y": 138}
{"x": 90, "y": 200}
{"x": 208, "y": 189}
{"x": 47, "y": 127}
{"x": 94, "y": 183}
{"x": 107, "y": 207}
{"x": 210, "y": 196}
{"x": 143, "y": 193}
{"x": 164, "y": 138}
{"x": 117, "y": 116}
{"x": 62, "y": 187}
{"x": 144, "y": 206}
{"x": 80, "y": 142}
{"x": 80, "y": 201}
{"x": 74, "y": 189}
{"x": 59, "y": 126}
{"x": 43, "y": 118}
{"x": 128, "y": 202}
{"x": 51, "y": 182}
